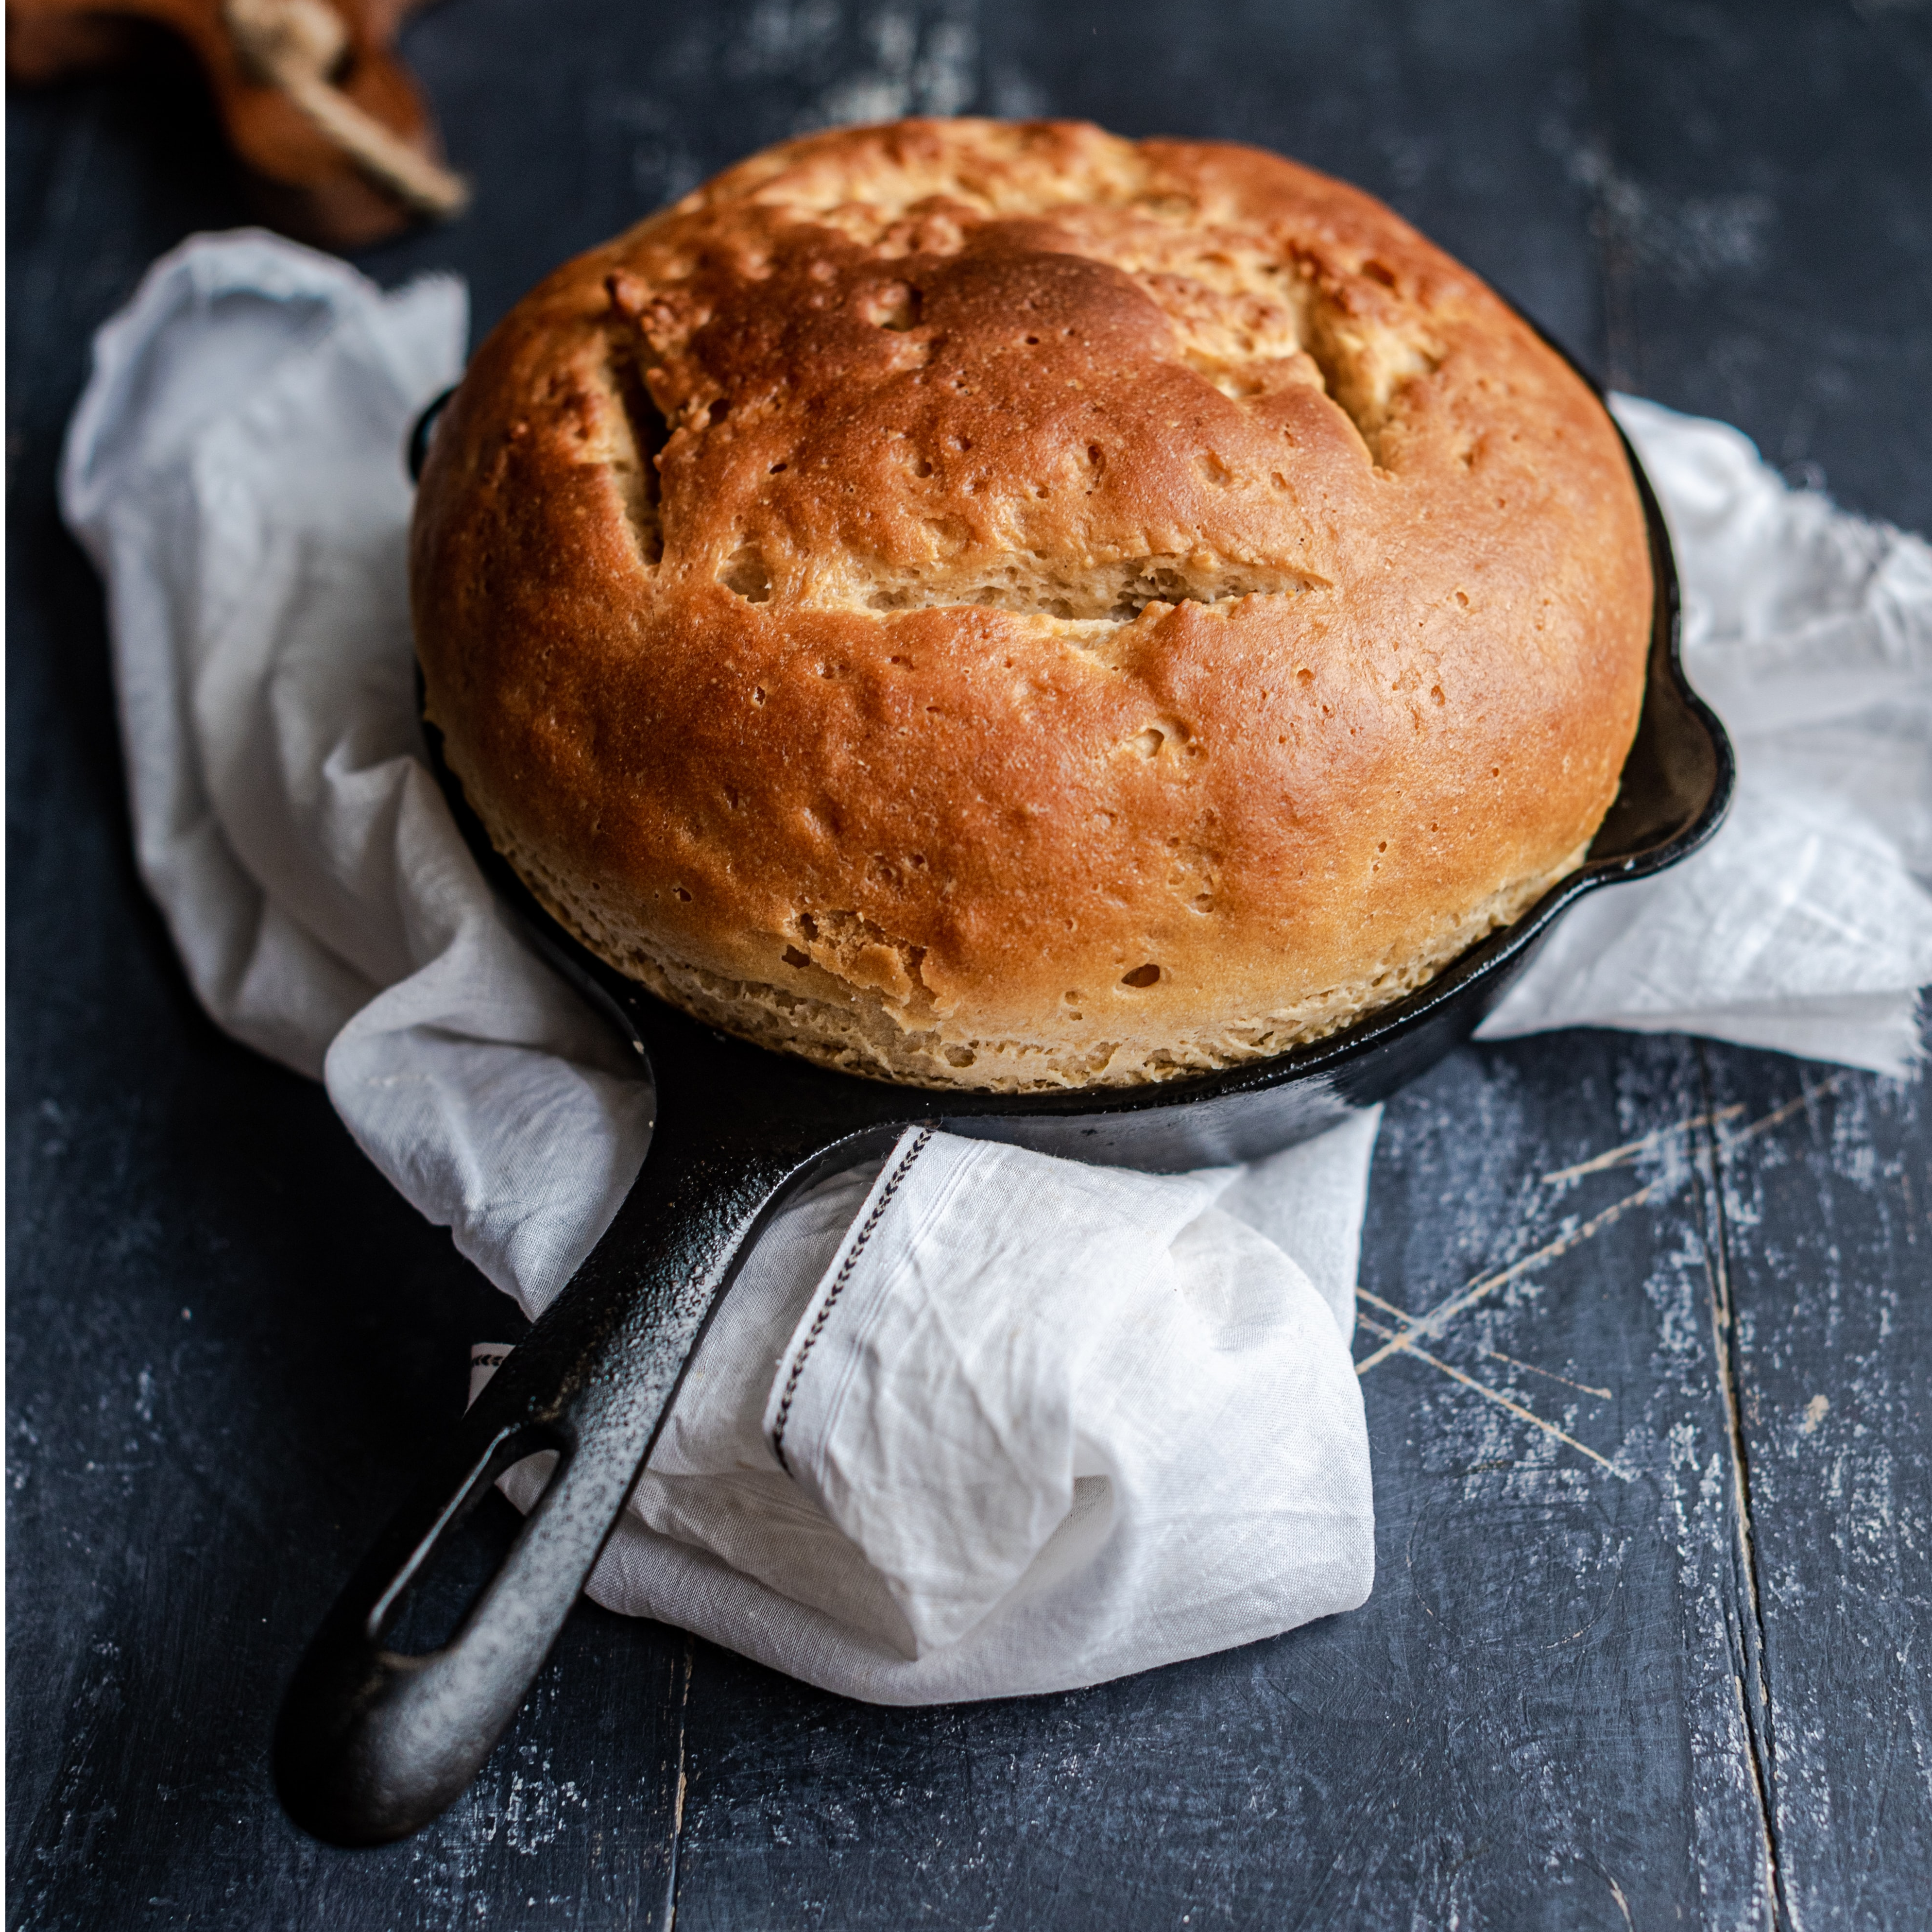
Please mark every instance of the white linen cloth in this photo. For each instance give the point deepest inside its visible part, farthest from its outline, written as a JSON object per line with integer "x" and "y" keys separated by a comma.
{"x": 1802, "y": 926}
{"x": 978, "y": 1422}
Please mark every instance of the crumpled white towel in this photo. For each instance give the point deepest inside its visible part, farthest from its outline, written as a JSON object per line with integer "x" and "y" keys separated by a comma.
{"x": 1077, "y": 1421}
{"x": 1056, "y": 1423}
{"x": 1801, "y": 926}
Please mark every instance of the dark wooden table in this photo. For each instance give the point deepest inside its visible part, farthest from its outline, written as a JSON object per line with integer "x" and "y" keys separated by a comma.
{"x": 1650, "y": 1640}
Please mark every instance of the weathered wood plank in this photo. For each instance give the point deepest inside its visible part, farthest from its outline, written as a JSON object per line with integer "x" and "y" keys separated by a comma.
{"x": 1535, "y": 1719}
{"x": 1563, "y": 1705}
{"x": 1758, "y": 174}
{"x": 1827, "y": 1241}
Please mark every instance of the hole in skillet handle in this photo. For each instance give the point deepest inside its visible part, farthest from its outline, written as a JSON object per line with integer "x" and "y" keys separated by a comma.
{"x": 416, "y": 452}
{"x": 427, "y": 1608}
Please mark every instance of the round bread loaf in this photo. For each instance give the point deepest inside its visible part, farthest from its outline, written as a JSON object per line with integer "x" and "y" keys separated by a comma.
{"x": 999, "y": 606}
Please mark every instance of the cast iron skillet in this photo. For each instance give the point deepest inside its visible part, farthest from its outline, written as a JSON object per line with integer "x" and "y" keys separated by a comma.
{"x": 370, "y": 1744}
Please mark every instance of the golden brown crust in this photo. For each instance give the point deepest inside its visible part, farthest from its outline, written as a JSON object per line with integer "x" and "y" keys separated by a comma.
{"x": 936, "y": 573}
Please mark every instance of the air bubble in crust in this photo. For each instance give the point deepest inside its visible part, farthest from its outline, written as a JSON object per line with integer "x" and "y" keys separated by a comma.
{"x": 745, "y": 575}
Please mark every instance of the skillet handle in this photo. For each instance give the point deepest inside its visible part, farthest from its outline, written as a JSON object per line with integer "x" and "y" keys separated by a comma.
{"x": 370, "y": 1745}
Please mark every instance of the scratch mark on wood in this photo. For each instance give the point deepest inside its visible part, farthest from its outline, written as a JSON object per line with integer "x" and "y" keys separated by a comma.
{"x": 1497, "y": 1354}
{"x": 1496, "y": 1396}
{"x": 1779, "y": 1115}
{"x": 1623, "y": 1904}
{"x": 1387, "y": 1307}
{"x": 1438, "y": 1317}
{"x": 1632, "y": 1150}
{"x": 1433, "y": 1322}
{"x": 1403, "y": 1315}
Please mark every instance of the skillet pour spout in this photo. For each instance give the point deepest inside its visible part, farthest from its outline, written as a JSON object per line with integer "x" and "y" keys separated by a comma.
{"x": 371, "y": 1743}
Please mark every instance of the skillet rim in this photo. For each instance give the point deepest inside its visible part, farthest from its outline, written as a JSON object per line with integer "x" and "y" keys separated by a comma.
{"x": 1476, "y": 975}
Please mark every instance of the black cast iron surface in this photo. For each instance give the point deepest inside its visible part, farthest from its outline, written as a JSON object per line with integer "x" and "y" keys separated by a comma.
{"x": 1690, "y": 1696}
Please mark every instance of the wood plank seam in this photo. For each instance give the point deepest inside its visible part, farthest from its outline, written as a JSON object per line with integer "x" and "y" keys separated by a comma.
{"x": 1710, "y": 1147}
{"x": 668, "y": 1917}
{"x": 1746, "y": 1616}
